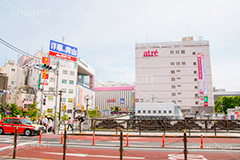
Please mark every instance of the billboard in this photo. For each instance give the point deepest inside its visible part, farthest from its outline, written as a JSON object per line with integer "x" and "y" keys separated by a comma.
{"x": 63, "y": 51}
{"x": 202, "y": 75}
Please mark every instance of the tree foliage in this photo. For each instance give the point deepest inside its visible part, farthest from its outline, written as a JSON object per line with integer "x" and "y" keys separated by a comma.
{"x": 94, "y": 113}
{"x": 223, "y": 103}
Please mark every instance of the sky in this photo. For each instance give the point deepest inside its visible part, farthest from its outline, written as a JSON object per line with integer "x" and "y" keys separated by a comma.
{"x": 106, "y": 31}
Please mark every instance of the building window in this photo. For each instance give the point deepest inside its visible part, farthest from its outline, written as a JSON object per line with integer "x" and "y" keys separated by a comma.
{"x": 172, "y": 63}
{"x": 64, "y": 81}
{"x": 173, "y": 86}
{"x": 194, "y": 63}
{"x": 173, "y": 94}
{"x": 177, "y": 51}
{"x": 137, "y": 100}
{"x": 172, "y": 71}
{"x": 70, "y": 91}
{"x": 154, "y": 111}
{"x": 196, "y": 102}
{"x": 159, "y": 111}
{"x": 171, "y": 52}
{"x": 149, "y": 111}
{"x": 183, "y": 63}
{"x": 195, "y": 79}
{"x": 179, "y": 93}
{"x": 196, "y": 95}
{"x": 174, "y": 101}
{"x": 52, "y": 79}
{"x": 51, "y": 89}
{"x": 182, "y": 51}
{"x": 179, "y": 100}
{"x": 13, "y": 69}
{"x": 71, "y": 82}
{"x": 178, "y": 78}
{"x": 178, "y": 70}
{"x": 178, "y": 63}
{"x": 165, "y": 111}
{"x": 194, "y": 53}
{"x": 50, "y": 98}
{"x": 179, "y": 85}
{"x": 12, "y": 82}
{"x": 69, "y": 111}
{"x": 144, "y": 111}
{"x": 72, "y": 73}
{"x": 139, "y": 111}
{"x": 63, "y": 99}
{"x": 64, "y": 90}
{"x": 195, "y": 72}
{"x": 170, "y": 111}
{"x": 172, "y": 79}
{"x": 65, "y": 72}
{"x": 70, "y": 100}
{"x": 196, "y": 87}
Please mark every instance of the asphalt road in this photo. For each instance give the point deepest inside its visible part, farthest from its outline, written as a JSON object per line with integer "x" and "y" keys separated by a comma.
{"x": 80, "y": 147}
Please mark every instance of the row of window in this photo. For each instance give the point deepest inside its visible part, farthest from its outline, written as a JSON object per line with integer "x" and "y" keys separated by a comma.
{"x": 174, "y": 86}
{"x": 64, "y": 90}
{"x": 155, "y": 111}
{"x": 64, "y": 81}
{"x": 177, "y": 51}
{"x": 179, "y": 93}
{"x": 63, "y": 99}
{"x": 178, "y": 78}
{"x": 178, "y": 63}
{"x": 50, "y": 110}
{"x": 182, "y": 52}
{"x": 70, "y": 72}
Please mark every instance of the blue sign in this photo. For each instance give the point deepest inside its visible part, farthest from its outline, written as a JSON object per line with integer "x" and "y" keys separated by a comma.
{"x": 8, "y": 113}
{"x": 57, "y": 47}
{"x": 8, "y": 109}
{"x": 121, "y": 100}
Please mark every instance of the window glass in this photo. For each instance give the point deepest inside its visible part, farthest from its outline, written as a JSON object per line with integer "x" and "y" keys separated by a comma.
{"x": 70, "y": 91}
{"x": 64, "y": 99}
{"x": 144, "y": 111}
{"x": 69, "y": 111}
{"x": 149, "y": 111}
{"x": 139, "y": 111}
{"x": 164, "y": 111}
{"x": 16, "y": 121}
{"x": 64, "y": 81}
{"x": 70, "y": 100}
{"x": 159, "y": 111}
{"x": 7, "y": 121}
{"x": 154, "y": 111}
{"x": 64, "y": 90}
{"x": 71, "y": 81}
{"x": 65, "y": 71}
{"x": 50, "y": 98}
{"x": 72, "y": 73}
{"x": 26, "y": 121}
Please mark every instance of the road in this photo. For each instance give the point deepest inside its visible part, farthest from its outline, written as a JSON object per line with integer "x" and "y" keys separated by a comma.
{"x": 80, "y": 147}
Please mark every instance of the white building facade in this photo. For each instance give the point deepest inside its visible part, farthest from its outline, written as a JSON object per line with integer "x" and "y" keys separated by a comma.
{"x": 178, "y": 72}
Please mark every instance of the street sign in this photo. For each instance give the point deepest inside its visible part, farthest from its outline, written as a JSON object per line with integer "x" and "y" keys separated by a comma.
{"x": 46, "y": 60}
{"x": 205, "y": 99}
{"x": 64, "y": 108}
{"x": 63, "y": 51}
{"x": 205, "y": 104}
{"x": 44, "y": 74}
{"x": 82, "y": 108}
{"x": 8, "y": 109}
{"x": 8, "y": 113}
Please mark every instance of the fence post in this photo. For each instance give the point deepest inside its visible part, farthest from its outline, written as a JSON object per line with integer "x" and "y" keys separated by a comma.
{"x": 227, "y": 124}
{"x": 94, "y": 125}
{"x": 206, "y": 125}
{"x": 127, "y": 125}
{"x": 80, "y": 126}
{"x": 140, "y": 127}
{"x": 121, "y": 144}
{"x": 15, "y": 142}
{"x": 189, "y": 130}
{"x": 185, "y": 144}
{"x": 215, "y": 130}
{"x": 40, "y": 136}
{"x": 116, "y": 127}
{"x": 65, "y": 143}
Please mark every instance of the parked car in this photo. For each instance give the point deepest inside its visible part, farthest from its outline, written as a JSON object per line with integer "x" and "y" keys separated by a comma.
{"x": 25, "y": 126}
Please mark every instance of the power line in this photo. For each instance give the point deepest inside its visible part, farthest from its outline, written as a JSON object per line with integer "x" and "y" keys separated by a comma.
{"x": 17, "y": 49}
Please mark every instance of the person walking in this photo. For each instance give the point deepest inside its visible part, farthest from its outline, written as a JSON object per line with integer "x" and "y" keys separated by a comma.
{"x": 69, "y": 123}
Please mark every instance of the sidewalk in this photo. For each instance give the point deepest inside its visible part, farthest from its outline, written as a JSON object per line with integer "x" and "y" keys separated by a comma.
{"x": 21, "y": 158}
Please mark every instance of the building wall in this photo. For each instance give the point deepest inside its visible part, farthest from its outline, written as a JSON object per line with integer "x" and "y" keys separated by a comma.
{"x": 107, "y": 97}
{"x": 172, "y": 75}
{"x": 3, "y": 86}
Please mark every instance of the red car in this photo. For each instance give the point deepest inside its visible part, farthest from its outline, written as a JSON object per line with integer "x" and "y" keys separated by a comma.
{"x": 25, "y": 126}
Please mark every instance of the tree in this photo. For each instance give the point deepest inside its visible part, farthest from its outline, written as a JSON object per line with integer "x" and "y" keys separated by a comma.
{"x": 2, "y": 110}
{"x": 64, "y": 117}
{"x": 14, "y": 111}
{"x": 33, "y": 112}
{"x": 223, "y": 103}
{"x": 94, "y": 113}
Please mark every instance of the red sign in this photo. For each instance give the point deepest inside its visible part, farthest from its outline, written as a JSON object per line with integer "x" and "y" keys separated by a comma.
{"x": 205, "y": 104}
{"x": 150, "y": 53}
{"x": 44, "y": 74}
{"x": 63, "y": 56}
{"x": 46, "y": 60}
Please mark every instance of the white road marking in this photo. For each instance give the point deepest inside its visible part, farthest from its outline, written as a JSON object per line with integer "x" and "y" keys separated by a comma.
{"x": 86, "y": 155}
{"x": 189, "y": 156}
{"x": 18, "y": 145}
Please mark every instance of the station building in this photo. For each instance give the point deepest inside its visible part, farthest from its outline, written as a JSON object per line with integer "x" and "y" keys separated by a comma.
{"x": 178, "y": 72}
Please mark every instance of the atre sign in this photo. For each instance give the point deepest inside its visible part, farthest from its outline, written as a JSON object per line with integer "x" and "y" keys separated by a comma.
{"x": 150, "y": 53}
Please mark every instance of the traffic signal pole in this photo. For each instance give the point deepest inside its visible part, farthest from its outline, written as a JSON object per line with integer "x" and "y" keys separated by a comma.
{"x": 56, "y": 99}
{"x": 41, "y": 105}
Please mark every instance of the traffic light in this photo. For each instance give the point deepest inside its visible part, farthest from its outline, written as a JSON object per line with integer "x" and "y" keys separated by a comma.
{"x": 44, "y": 101}
{"x": 47, "y": 67}
{"x": 2, "y": 91}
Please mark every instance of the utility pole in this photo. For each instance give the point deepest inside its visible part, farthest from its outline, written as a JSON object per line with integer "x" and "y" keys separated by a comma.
{"x": 56, "y": 99}
{"x": 60, "y": 104}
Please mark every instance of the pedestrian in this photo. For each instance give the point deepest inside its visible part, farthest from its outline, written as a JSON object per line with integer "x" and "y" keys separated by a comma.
{"x": 50, "y": 125}
{"x": 69, "y": 123}
{"x": 45, "y": 121}
{"x": 39, "y": 121}
{"x": 80, "y": 121}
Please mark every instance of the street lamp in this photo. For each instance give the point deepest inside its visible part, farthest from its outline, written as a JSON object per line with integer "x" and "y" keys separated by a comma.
{"x": 87, "y": 98}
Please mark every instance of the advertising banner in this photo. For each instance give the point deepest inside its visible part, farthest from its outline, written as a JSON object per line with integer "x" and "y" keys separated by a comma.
{"x": 200, "y": 74}
{"x": 63, "y": 51}
{"x": 204, "y": 75}
{"x": 121, "y": 100}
